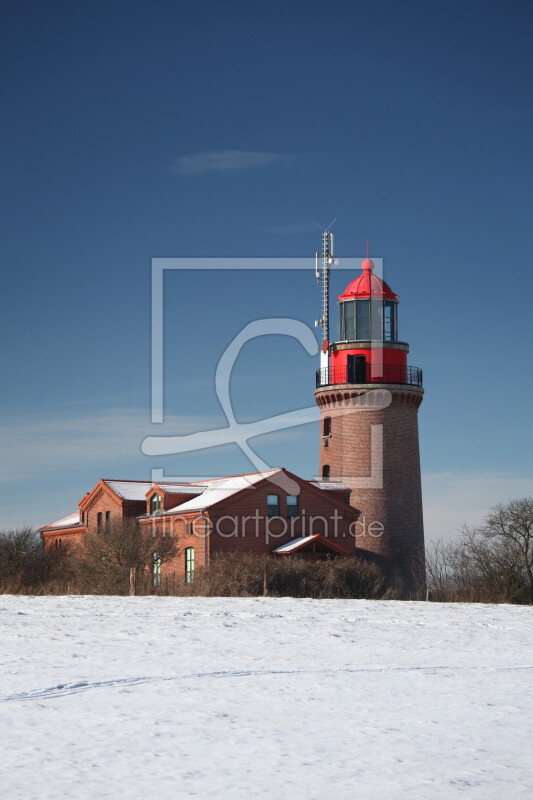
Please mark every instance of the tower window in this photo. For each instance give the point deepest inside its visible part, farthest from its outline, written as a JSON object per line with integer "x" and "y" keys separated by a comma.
{"x": 273, "y": 505}
{"x": 155, "y": 503}
{"x": 390, "y": 323}
{"x": 325, "y": 472}
{"x": 189, "y": 564}
{"x": 326, "y": 429}
{"x": 355, "y": 320}
{"x": 292, "y": 505}
{"x": 362, "y": 320}
{"x": 347, "y": 320}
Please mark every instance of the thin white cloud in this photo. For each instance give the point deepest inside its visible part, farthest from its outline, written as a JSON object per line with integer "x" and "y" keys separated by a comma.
{"x": 226, "y": 161}
{"x": 29, "y": 447}
{"x": 453, "y": 499}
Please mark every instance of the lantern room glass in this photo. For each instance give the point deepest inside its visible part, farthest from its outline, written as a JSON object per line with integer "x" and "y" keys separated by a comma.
{"x": 368, "y": 320}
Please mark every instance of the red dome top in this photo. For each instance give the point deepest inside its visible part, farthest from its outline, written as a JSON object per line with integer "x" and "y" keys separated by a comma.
{"x": 368, "y": 285}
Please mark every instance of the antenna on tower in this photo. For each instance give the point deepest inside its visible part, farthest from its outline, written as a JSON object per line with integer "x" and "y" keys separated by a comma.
{"x": 322, "y": 274}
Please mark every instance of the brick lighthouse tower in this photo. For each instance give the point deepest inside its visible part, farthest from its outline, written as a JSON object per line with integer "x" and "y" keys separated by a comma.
{"x": 368, "y": 398}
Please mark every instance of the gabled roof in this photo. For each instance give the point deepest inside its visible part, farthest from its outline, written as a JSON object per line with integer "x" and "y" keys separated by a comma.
{"x": 330, "y": 486}
{"x": 304, "y": 541}
{"x": 129, "y": 490}
{"x": 215, "y": 490}
{"x": 178, "y": 488}
{"x": 65, "y": 522}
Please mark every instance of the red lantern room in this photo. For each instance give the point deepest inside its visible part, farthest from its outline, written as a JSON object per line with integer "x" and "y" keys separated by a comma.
{"x": 368, "y": 350}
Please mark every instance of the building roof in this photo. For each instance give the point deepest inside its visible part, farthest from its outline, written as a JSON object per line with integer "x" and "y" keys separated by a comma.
{"x": 129, "y": 490}
{"x": 330, "y": 486}
{"x": 303, "y": 541}
{"x": 65, "y": 522}
{"x": 179, "y": 488}
{"x": 367, "y": 285}
{"x": 137, "y": 490}
{"x": 216, "y": 490}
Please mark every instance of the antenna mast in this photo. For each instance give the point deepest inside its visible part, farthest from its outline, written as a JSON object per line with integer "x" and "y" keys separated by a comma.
{"x": 322, "y": 274}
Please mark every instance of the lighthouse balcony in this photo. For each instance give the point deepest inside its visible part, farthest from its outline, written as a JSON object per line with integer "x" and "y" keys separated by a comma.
{"x": 359, "y": 373}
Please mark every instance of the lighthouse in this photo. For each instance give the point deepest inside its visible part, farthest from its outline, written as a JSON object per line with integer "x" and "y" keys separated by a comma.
{"x": 368, "y": 396}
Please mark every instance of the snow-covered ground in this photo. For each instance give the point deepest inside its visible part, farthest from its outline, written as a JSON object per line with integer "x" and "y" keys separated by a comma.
{"x": 153, "y": 697}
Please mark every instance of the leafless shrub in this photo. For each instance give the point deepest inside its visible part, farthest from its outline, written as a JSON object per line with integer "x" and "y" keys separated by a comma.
{"x": 236, "y": 575}
{"x": 25, "y": 567}
{"x": 109, "y": 555}
{"x": 492, "y": 562}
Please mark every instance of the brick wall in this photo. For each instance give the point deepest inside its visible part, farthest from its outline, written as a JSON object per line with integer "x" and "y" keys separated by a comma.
{"x": 396, "y": 539}
{"x": 241, "y": 524}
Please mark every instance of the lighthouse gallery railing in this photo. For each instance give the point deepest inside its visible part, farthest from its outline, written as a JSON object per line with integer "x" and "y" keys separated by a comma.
{"x": 370, "y": 373}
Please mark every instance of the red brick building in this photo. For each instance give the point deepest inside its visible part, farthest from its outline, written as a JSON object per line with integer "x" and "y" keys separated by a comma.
{"x": 369, "y": 485}
{"x": 273, "y": 512}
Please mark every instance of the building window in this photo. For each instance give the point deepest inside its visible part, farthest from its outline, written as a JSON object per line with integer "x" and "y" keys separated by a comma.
{"x": 189, "y": 564}
{"x": 273, "y": 505}
{"x": 99, "y": 520}
{"x": 155, "y": 504}
{"x": 107, "y": 519}
{"x": 292, "y": 505}
{"x": 156, "y": 570}
{"x": 325, "y": 472}
{"x": 326, "y": 430}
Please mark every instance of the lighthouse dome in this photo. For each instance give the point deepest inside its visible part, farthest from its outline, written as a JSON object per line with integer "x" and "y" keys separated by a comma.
{"x": 367, "y": 285}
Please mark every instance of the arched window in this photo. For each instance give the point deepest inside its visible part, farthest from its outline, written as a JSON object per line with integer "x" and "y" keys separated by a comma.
{"x": 325, "y": 472}
{"x": 326, "y": 429}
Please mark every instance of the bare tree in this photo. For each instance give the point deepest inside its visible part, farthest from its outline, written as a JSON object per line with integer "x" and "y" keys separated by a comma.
{"x": 490, "y": 562}
{"x": 122, "y": 552}
{"x": 510, "y": 528}
{"x": 25, "y": 565}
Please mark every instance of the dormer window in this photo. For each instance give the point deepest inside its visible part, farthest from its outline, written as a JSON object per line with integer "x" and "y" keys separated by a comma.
{"x": 155, "y": 504}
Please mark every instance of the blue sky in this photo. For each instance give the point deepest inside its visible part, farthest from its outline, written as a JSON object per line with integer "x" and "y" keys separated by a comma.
{"x": 138, "y": 130}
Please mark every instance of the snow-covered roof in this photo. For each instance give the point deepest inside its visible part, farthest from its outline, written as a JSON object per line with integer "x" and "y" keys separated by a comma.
{"x": 137, "y": 490}
{"x": 296, "y": 543}
{"x": 129, "y": 490}
{"x": 66, "y": 522}
{"x": 330, "y": 486}
{"x": 215, "y": 490}
{"x": 180, "y": 488}
{"x": 302, "y": 541}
